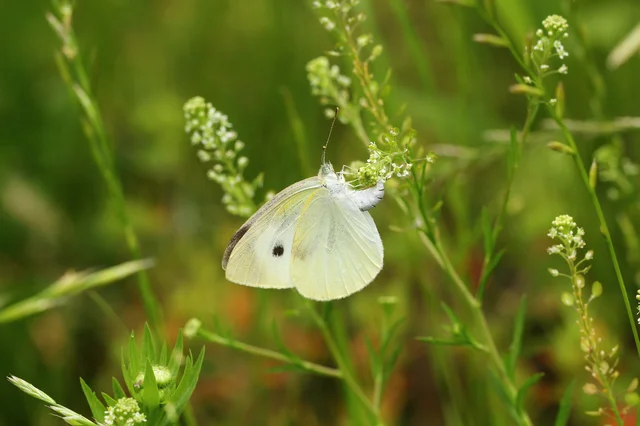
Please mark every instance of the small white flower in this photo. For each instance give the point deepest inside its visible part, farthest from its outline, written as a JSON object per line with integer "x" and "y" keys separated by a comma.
{"x": 204, "y": 155}
{"x": 544, "y": 67}
{"x": 563, "y": 69}
{"x": 327, "y": 23}
{"x": 554, "y": 249}
{"x": 553, "y": 101}
{"x": 589, "y": 255}
{"x": 527, "y": 79}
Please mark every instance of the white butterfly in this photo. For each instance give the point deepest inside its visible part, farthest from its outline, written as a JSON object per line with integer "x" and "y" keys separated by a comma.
{"x": 315, "y": 235}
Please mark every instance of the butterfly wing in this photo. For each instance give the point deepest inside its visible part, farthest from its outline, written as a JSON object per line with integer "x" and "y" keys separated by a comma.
{"x": 337, "y": 249}
{"x": 259, "y": 254}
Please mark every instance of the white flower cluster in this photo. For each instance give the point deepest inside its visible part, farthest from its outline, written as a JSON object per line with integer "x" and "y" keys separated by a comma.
{"x": 549, "y": 45}
{"x": 570, "y": 236}
{"x": 211, "y": 130}
{"x": 126, "y": 412}
{"x": 343, "y": 6}
{"x": 326, "y": 81}
{"x": 383, "y": 165}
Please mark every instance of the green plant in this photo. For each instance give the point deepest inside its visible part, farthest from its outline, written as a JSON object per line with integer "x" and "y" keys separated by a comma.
{"x": 158, "y": 391}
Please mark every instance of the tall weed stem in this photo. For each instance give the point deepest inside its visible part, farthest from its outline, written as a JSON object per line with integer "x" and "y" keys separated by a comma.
{"x": 74, "y": 74}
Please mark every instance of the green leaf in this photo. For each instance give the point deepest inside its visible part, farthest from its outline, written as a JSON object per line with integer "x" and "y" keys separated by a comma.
{"x": 134, "y": 358}
{"x": 373, "y": 357}
{"x": 565, "y": 405}
{"x": 109, "y": 400}
{"x": 118, "y": 392}
{"x": 391, "y": 362}
{"x": 487, "y": 271}
{"x": 280, "y": 343}
{"x": 487, "y": 232}
{"x": 390, "y": 334}
{"x": 516, "y": 341}
{"x": 188, "y": 382}
{"x": 70, "y": 284}
{"x": 126, "y": 374}
{"x": 162, "y": 360}
{"x": 150, "y": 393}
{"x": 148, "y": 347}
{"x": 97, "y": 408}
{"x": 176, "y": 356}
{"x": 522, "y": 392}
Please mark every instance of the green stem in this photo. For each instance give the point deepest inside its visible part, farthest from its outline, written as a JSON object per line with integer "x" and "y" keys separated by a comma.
{"x": 485, "y": 333}
{"x": 268, "y": 353}
{"x": 532, "y": 111}
{"x": 75, "y": 75}
{"x": 350, "y": 381}
{"x": 604, "y": 228}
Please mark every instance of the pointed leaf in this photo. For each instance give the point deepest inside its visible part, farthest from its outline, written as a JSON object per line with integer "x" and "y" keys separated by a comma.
{"x": 390, "y": 334}
{"x": 134, "y": 357}
{"x": 128, "y": 380}
{"x": 97, "y": 408}
{"x": 150, "y": 393}
{"x": 176, "y": 356}
{"x": 109, "y": 400}
{"x": 280, "y": 343}
{"x": 148, "y": 347}
{"x": 162, "y": 360}
{"x": 373, "y": 357}
{"x": 391, "y": 362}
{"x": 565, "y": 406}
{"x": 118, "y": 392}
{"x": 487, "y": 232}
{"x": 487, "y": 271}
{"x": 188, "y": 383}
{"x": 522, "y": 392}
{"x": 516, "y": 341}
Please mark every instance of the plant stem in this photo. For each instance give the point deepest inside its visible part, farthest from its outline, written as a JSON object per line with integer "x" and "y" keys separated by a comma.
{"x": 532, "y": 111}
{"x": 268, "y": 353}
{"x": 350, "y": 381}
{"x": 74, "y": 75}
{"x": 593, "y": 355}
{"x": 604, "y": 228}
{"x": 485, "y": 333}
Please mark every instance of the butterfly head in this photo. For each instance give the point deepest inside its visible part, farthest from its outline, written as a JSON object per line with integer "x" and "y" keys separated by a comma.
{"x": 326, "y": 169}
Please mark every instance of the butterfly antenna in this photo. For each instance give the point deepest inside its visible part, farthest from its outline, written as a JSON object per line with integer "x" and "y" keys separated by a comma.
{"x": 324, "y": 148}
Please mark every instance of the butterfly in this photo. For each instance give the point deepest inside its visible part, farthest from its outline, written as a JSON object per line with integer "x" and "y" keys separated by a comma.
{"x": 316, "y": 236}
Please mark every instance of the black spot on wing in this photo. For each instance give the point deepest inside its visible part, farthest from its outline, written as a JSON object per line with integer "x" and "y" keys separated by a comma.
{"x": 234, "y": 241}
{"x": 278, "y": 249}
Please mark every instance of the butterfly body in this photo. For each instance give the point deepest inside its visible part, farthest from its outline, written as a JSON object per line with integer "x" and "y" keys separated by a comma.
{"x": 316, "y": 235}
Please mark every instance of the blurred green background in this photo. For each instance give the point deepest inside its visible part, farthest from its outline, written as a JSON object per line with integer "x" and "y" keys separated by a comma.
{"x": 248, "y": 58}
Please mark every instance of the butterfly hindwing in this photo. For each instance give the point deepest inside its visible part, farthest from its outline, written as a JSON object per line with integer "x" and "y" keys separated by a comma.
{"x": 337, "y": 249}
{"x": 259, "y": 254}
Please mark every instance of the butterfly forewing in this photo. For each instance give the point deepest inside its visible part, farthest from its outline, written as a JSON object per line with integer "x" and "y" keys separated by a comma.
{"x": 337, "y": 249}
{"x": 259, "y": 254}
